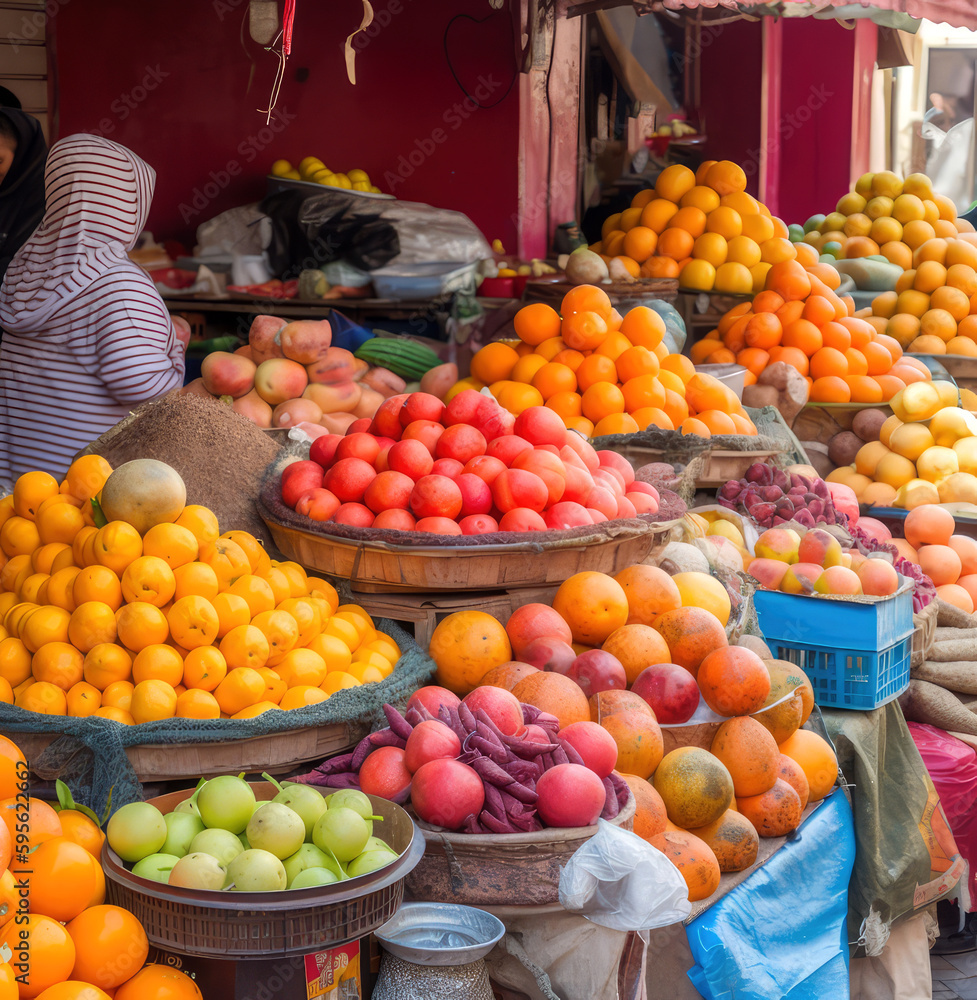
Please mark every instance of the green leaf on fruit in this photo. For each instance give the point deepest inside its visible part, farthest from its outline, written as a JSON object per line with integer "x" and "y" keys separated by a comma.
{"x": 98, "y": 515}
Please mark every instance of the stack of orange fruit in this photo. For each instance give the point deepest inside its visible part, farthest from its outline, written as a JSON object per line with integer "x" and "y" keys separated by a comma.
{"x": 700, "y": 227}
{"x": 182, "y": 621}
{"x": 603, "y": 373}
{"x": 933, "y": 309}
{"x": 799, "y": 320}
{"x": 58, "y": 939}
{"x": 887, "y": 216}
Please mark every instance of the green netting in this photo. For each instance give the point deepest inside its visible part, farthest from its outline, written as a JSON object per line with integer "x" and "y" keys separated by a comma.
{"x": 91, "y": 752}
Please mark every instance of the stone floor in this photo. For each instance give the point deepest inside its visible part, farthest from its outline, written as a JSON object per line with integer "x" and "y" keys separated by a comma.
{"x": 954, "y": 976}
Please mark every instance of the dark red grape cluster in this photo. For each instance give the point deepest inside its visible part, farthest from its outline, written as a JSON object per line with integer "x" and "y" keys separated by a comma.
{"x": 773, "y": 497}
{"x": 924, "y": 590}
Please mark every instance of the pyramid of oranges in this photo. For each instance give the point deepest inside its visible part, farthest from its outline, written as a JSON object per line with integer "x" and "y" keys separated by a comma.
{"x": 603, "y": 373}
{"x": 933, "y": 309}
{"x": 884, "y": 215}
{"x": 700, "y": 227}
{"x": 179, "y": 621}
{"x": 798, "y": 319}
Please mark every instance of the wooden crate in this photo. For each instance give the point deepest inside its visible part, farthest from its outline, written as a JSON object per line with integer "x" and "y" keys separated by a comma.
{"x": 426, "y": 610}
{"x": 719, "y": 467}
{"x": 378, "y": 567}
{"x": 276, "y": 753}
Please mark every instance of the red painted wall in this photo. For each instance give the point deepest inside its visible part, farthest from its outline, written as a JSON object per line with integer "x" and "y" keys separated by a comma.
{"x": 170, "y": 82}
{"x": 814, "y": 132}
{"x": 730, "y": 62}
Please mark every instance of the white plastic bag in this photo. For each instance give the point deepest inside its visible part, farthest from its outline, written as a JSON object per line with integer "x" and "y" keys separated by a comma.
{"x": 619, "y": 880}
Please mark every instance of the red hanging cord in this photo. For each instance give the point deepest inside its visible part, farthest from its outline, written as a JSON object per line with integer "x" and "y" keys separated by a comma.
{"x": 288, "y": 19}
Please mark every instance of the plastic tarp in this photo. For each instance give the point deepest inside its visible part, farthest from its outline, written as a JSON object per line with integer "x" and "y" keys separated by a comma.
{"x": 952, "y": 765}
{"x": 761, "y": 941}
{"x": 906, "y": 858}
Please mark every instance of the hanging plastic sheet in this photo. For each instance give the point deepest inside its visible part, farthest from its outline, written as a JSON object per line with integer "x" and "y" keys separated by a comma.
{"x": 761, "y": 941}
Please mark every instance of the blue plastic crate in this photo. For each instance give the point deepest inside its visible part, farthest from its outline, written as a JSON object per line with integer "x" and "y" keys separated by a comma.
{"x": 803, "y": 620}
{"x": 851, "y": 678}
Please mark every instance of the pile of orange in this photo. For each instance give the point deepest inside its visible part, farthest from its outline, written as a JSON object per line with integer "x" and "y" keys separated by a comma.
{"x": 603, "y": 373}
{"x": 801, "y": 321}
{"x": 705, "y": 809}
{"x": 933, "y": 309}
{"x": 887, "y": 216}
{"x": 700, "y": 227}
{"x": 58, "y": 939}
{"x": 182, "y": 621}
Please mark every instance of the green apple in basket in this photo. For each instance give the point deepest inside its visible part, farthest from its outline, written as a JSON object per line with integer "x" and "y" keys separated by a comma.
{"x": 219, "y": 844}
{"x": 370, "y": 861}
{"x": 277, "y": 829}
{"x": 226, "y": 802}
{"x": 309, "y": 856}
{"x": 306, "y": 800}
{"x": 342, "y": 832}
{"x": 136, "y": 830}
{"x": 256, "y": 871}
{"x": 198, "y": 871}
{"x": 181, "y": 828}
{"x": 311, "y": 877}
{"x": 359, "y": 802}
{"x": 156, "y": 867}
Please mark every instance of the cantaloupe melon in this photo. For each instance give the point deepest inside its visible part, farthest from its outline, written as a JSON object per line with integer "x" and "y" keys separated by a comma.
{"x": 143, "y": 493}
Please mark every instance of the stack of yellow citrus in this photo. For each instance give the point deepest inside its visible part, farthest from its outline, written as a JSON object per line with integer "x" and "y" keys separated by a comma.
{"x": 702, "y": 228}
{"x": 888, "y": 216}
{"x": 933, "y": 309}
{"x": 603, "y": 373}
{"x": 180, "y": 621}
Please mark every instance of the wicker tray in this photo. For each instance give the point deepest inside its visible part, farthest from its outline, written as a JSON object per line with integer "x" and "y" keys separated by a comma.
{"x": 924, "y": 633}
{"x": 382, "y": 567}
{"x": 552, "y": 292}
{"x": 521, "y": 869}
{"x": 255, "y": 924}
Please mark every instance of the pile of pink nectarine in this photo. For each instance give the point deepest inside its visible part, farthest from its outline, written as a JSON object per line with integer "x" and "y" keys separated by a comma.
{"x": 816, "y": 563}
{"x": 290, "y": 374}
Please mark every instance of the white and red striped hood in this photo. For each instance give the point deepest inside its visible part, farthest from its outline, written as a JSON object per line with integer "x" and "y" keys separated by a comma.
{"x": 98, "y": 197}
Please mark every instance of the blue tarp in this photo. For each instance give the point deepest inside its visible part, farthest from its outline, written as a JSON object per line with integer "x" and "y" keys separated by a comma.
{"x": 782, "y": 933}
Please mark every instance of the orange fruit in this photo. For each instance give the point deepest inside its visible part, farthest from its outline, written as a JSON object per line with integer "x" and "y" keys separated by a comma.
{"x": 46, "y": 624}
{"x": 149, "y": 579}
{"x": 200, "y": 522}
{"x": 695, "y": 860}
{"x": 116, "y": 545}
{"x": 197, "y": 704}
{"x": 96, "y": 583}
{"x": 595, "y": 370}
{"x": 691, "y": 634}
{"x": 242, "y": 687}
{"x": 62, "y": 879}
{"x": 158, "y": 662}
{"x": 193, "y": 621}
{"x": 152, "y": 701}
{"x": 227, "y": 559}
{"x": 43, "y": 952}
{"x": 493, "y": 363}
{"x": 42, "y": 821}
{"x": 593, "y": 605}
{"x": 694, "y": 785}
{"x": 59, "y": 523}
{"x": 140, "y": 625}
{"x": 464, "y": 646}
{"x": 674, "y": 181}
{"x": 87, "y": 475}
{"x": 204, "y": 667}
{"x": 636, "y": 646}
{"x": 159, "y": 982}
{"x": 726, "y": 177}
{"x": 59, "y": 663}
{"x": 92, "y": 622}
{"x": 816, "y": 758}
{"x": 83, "y": 699}
{"x": 30, "y": 490}
{"x": 550, "y": 692}
{"x": 110, "y": 944}
{"x": 13, "y": 768}
{"x": 586, "y": 298}
{"x": 232, "y": 611}
{"x": 105, "y": 664}
{"x": 118, "y": 694}
{"x": 245, "y": 646}
{"x": 18, "y": 536}
{"x": 195, "y": 579}
{"x": 82, "y": 830}
{"x": 537, "y": 322}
